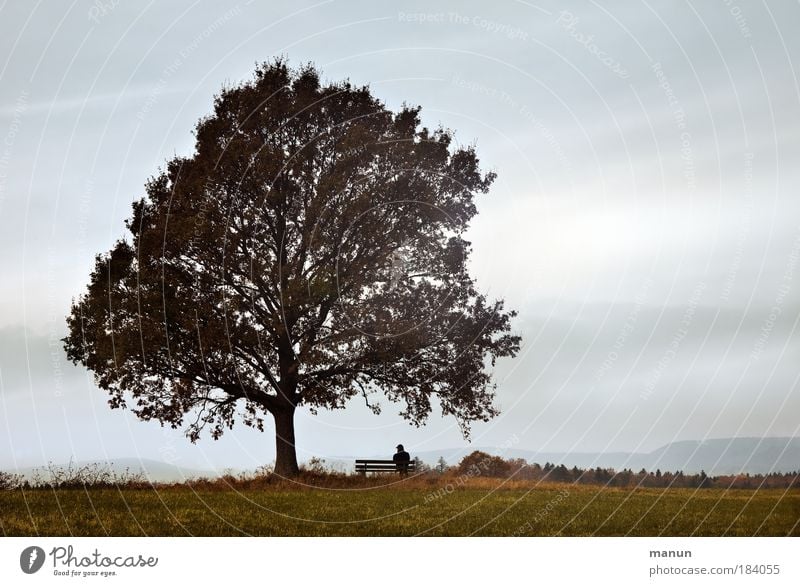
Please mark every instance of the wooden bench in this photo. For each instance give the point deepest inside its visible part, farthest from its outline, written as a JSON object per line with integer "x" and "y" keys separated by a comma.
{"x": 364, "y": 466}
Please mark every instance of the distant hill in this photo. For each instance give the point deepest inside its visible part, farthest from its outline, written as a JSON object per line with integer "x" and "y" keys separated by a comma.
{"x": 154, "y": 470}
{"x": 715, "y": 456}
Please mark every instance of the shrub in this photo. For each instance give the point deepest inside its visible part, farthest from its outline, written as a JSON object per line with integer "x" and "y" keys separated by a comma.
{"x": 482, "y": 464}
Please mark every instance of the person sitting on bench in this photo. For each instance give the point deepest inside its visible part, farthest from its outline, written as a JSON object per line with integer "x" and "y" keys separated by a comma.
{"x": 401, "y": 460}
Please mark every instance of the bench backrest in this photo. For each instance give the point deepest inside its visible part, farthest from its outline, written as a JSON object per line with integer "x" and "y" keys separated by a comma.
{"x": 383, "y": 466}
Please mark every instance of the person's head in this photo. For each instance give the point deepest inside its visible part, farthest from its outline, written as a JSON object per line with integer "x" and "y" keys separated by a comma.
{"x": 399, "y": 447}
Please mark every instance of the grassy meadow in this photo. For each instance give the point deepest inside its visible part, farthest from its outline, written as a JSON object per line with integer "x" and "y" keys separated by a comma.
{"x": 388, "y": 507}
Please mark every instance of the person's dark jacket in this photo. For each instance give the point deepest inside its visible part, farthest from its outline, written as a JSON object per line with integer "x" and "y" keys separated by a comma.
{"x": 401, "y": 460}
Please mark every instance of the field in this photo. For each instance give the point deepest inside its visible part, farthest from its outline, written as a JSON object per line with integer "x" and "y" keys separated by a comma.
{"x": 489, "y": 508}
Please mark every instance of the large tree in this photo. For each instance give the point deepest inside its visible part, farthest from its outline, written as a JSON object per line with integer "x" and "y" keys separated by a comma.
{"x": 309, "y": 251}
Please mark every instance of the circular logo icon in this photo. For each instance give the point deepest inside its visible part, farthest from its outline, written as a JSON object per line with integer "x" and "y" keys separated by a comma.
{"x": 31, "y": 559}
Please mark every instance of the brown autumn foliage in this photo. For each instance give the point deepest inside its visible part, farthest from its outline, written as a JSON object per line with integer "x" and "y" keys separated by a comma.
{"x": 309, "y": 252}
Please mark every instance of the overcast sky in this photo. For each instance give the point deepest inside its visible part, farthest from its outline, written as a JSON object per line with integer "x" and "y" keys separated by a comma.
{"x": 645, "y": 221}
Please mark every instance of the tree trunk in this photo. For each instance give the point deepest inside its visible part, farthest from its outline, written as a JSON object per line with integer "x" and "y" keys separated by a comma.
{"x": 285, "y": 452}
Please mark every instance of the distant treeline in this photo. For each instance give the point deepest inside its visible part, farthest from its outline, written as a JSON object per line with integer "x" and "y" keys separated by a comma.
{"x": 482, "y": 464}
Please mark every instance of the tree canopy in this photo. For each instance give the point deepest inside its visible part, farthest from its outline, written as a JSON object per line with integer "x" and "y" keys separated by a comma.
{"x": 311, "y": 250}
